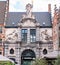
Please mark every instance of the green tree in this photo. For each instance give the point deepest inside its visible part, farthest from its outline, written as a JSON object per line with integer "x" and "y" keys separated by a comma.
{"x": 57, "y": 61}
{"x": 6, "y": 63}
{"x": 40, "y": 62}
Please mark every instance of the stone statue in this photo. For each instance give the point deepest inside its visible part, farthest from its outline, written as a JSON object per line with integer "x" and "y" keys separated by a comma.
{"x": 28, "y": 8}
{"x": 28, "y": 12}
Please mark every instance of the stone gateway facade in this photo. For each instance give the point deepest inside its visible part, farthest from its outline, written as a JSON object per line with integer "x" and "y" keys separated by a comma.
{"x": 28, "y": 35}
{"x": 27, "y": 38}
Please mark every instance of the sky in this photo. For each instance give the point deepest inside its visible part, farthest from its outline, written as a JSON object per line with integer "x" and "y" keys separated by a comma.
{"x": 38, "y": 5}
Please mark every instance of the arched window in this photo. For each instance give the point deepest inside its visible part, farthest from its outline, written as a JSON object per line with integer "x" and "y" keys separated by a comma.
{"x": 11, "y": 51}
{"x": 44, "y": 51}
{"x": 0, "y": 52}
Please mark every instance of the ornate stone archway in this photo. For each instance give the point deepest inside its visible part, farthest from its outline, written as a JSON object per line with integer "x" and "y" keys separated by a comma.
{"x": 27, "y": 57}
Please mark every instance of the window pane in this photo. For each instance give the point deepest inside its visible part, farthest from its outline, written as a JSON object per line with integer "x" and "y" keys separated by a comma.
{"x": 32, "y": 31}
{"x": 24, "y": 35}
{"x": 33, "y": 35}
{"x": 0, "y": 40}
{"x": 44, "y": 51}
{"x": 0, "y": 29}
{"x": 11, "y": 51}
{"x": 24, "y": 30}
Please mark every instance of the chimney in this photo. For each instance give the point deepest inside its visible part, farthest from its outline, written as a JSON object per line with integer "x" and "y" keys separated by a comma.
{"x": 7, "y": 10}
{"x": 49, "y": 8}
{"x": 7, "y": 5}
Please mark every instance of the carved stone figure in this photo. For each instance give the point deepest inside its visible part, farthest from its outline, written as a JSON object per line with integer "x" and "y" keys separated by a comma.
{"x": 13, "y": 36}
{"x": 28, "y": 12}
{"x": 45, "y": 35}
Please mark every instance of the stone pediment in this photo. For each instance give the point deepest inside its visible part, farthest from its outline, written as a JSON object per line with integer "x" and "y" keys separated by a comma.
{"x": 28, "y": 22}
{"x": 28, "y": 19}
{"x": 25, "y": 19}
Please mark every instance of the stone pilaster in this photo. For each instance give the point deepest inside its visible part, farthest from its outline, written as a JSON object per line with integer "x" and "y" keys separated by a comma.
{"x": 28, "y": 36}
{"x": 18, "y": 55}
{"x": 37, "y": 34}
{"x": 19, "y": 34}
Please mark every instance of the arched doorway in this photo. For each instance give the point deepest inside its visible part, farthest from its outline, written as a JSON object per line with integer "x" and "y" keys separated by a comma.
{"x": 27, "y": 57}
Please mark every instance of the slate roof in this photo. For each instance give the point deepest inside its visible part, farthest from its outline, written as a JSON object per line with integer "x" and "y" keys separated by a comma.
{"x": 15, "y": 18}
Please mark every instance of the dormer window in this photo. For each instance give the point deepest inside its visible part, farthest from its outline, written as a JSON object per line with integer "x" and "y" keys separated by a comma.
{"x": 43, "y": 23}
{"x": 13, "y": 23}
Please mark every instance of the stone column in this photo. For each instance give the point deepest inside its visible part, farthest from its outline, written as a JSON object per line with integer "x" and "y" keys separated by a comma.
{"x": 19, "y": 34}
{"x": 38, "y": 39}
{"x": 6, "y": 49}
{"x": 18, "y": 55}
{"x": 28, "y": 36}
